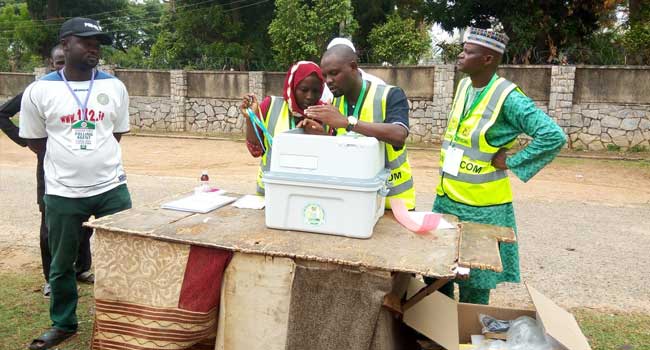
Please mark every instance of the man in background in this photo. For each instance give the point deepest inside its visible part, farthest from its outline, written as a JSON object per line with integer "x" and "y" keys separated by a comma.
{"x": 327, "y": 94}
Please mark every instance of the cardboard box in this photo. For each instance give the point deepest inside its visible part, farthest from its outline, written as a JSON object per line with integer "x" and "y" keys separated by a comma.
{"x": 449, "y": 323}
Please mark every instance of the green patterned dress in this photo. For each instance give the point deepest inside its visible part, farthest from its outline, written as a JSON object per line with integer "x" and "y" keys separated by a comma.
{"x": 518, "y": 115}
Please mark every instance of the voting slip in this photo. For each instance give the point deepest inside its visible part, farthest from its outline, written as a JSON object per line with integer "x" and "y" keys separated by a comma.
{"x": 199, "y": 202}
{"x": 250, "y": 202}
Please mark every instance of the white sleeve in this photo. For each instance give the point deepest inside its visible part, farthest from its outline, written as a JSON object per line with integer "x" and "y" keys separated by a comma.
{"x": 32, "y": 120}
{"x": 121, "y": 121}
{"x": 372, "y": 78}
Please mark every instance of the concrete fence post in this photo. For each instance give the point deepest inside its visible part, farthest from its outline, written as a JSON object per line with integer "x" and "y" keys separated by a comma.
{"x": 107, "y": 68}
{"x": 39, "y": 72}
{"x": 256, "y": 82}
{"x": 560, "y": 102}
{"x": 178, "y": 91}
{"x": 443, "y": 96}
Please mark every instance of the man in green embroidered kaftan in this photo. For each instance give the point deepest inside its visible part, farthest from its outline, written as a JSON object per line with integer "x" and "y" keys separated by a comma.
{"x": 488, "y": 113}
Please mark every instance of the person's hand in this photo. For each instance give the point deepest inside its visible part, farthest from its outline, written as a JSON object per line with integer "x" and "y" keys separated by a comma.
{"x": 499, "y": 159}
{"x": 327, "y": 114}
{"x": 311, "y": 126}
{"x": 248, "y": 101}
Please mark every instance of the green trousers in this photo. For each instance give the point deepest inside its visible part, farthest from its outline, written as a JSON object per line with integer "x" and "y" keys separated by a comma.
{"x": 64, "y": 217}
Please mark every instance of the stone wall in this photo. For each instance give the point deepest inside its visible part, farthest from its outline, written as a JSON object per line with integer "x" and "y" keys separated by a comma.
{"x": 610, "y": 108}
{"x": 598, "y": 107}
{"x": 213, "y": 116}
{"x": 152, "y": 114}
{"x": 599, "y": 126}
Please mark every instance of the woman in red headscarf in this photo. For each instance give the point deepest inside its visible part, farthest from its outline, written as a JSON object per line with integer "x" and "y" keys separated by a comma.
{"x": 303, "y": 87}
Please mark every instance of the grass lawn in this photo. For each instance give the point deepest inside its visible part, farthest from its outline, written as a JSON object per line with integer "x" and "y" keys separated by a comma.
{"x": 615, "y": 331}
{"x": 24, "y": 315}
{"x": 24, "y": 312}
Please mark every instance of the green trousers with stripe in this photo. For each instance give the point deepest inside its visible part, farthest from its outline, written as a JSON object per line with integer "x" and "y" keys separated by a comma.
{"x": 64, "y": 217}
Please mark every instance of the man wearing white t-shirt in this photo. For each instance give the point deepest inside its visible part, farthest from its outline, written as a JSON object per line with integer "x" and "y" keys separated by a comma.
{"x": 327, "y": 94}
{"x": 80, "y": 114}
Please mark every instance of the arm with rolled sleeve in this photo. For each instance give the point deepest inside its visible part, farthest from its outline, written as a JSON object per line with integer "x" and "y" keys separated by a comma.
{"x": 8, "y": 110}
{"x": 32, "y": 119}
{"x": 521, "y": 114}
{"x": 121, "y": 124}
{"x": 397, "y": 110}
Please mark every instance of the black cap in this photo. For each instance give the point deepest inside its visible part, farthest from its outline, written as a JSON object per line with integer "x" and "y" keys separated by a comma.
{"x": 84, "y": 27}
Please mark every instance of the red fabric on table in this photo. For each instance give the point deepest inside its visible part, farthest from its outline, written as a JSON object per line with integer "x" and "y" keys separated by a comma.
{"x": 204, "y": 271}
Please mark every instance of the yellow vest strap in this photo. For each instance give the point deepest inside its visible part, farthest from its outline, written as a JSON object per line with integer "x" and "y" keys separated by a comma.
{"x": 378, "y": 115}
{"x": 403, "y": 187}
{"x": 274, "y": 115}
{"x": 397, "y": 162}
{"x": 490, "y": 108}
{"x": 477, "y": 178}
{"x": 470, "y": 151}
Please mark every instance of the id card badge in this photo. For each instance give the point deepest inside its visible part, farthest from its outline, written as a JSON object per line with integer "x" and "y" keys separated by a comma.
{"x": 453, "y": 157}
{"x": 84, "y": 135}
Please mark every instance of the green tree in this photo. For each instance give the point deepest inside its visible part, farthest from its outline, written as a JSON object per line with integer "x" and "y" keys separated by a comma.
{"x": 636, "y": 39}
{"x": 48, "y": 15}
{"x": 223, "y": 35}
{"x": 539, "y": 31}
{"x": 137, "y": 26}
{"x": 371, "y": 13}
{"x": 16, "y": 29}
{"x": 302, "y": 29}
{"x": 399, "y": 40}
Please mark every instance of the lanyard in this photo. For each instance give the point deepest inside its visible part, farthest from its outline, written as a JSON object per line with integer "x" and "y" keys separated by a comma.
{"x": 84, "y": 106}
{"x": 476, "y": 101}
{"x": 357, "y": 107}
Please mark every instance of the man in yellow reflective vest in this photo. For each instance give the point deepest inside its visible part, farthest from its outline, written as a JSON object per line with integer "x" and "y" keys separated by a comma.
{"x": 370, "y": 109}
{"x": 487, "y": 115}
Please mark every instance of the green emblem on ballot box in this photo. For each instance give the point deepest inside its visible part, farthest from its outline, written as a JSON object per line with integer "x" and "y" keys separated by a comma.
{"x": 314, "y": 215}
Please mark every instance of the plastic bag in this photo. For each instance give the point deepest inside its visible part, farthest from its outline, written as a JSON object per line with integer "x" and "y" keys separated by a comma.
{"x": 492, "y": 325}
{"x": 526, "y": 334}
{"x": 493, "y": 345}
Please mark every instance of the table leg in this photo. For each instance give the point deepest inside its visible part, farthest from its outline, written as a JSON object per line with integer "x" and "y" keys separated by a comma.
{"x": 424, "y": 292}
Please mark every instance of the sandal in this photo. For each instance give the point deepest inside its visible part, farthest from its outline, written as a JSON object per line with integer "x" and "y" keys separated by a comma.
{"x": 86, "y": 277}
{"x": 52, "y": 337}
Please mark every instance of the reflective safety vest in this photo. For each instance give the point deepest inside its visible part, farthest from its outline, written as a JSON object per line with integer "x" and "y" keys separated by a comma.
{"x": 478, "y": 183}
{"x": 277, "y": 121}
{"x": 373, "y": 110}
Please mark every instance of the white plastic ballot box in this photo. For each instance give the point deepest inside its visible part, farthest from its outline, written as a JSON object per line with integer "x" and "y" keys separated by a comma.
{"x": 326, "y": 184}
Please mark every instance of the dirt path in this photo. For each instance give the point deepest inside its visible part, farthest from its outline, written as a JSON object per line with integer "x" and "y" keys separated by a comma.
{"x": 584, "y": 225}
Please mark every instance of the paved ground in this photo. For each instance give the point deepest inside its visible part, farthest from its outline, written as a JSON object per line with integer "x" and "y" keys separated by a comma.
{"x": 584, "y": 225}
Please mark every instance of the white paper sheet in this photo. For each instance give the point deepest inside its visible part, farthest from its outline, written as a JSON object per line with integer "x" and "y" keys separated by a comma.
{"x": 199, "y": 203}
{"x": 250, "y": 202}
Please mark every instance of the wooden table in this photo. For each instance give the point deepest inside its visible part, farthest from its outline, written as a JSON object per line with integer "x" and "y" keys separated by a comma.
{"x": 391, "y": 249}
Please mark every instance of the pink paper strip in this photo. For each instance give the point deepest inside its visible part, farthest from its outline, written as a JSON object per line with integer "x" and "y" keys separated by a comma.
{"x": 402, "y": 215}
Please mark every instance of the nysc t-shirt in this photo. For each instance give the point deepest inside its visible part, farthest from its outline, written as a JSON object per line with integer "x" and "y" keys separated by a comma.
{"x": 49, "y": 109}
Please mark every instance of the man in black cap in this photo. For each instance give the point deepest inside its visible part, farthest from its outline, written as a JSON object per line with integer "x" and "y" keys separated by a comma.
{"x": 79, "y": 114}
{"x": 8, "y": 110}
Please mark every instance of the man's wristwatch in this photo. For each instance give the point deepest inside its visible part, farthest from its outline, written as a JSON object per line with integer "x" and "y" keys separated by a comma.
{"x": 352, "y": 122}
